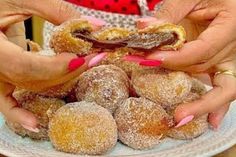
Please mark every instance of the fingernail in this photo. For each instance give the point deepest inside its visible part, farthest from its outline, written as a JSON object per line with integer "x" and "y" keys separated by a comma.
{"x": 94, "y": 20}
{"x": 185, "y": 121}
{"x": 95, "y": 60}
{"x": 76, "y": 63}
{"x": 36, "y": 130}
{"x": 133, "y": 58}
{"x": 150, "y": 63}
{"x": 158, "y": 56}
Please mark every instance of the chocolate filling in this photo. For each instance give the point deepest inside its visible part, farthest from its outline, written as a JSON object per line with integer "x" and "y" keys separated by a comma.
{"x": 143, "y": 41}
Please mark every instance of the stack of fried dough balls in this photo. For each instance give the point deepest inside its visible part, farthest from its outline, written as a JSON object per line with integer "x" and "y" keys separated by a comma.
{"x": 102, "y": 110}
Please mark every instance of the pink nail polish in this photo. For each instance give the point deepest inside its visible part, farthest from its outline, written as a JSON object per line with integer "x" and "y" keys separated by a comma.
{"x": 95, "y": 60}
{"x": 94, "y": 20}
{"x": 150, "y": 63}
{"x": 185, "y": 121}
{"x": 133, "y": 58}
{"x": 76, "y": 63}
{"x": 36, "y": 130}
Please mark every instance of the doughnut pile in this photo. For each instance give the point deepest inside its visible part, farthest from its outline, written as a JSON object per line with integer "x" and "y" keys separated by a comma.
{"x": 116, "y": 101}
{"x": 43, "y": 108}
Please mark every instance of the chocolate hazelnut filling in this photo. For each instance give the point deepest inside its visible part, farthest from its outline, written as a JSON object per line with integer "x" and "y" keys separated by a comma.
{"x": 144, "y": 41}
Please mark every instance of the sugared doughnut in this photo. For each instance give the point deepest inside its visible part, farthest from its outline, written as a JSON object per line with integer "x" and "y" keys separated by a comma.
{"x": 60, "y": 91}
{"x": 83, "y": 128}
{"x": 41, "y": 107}
{"x": 107, "y": 85}
{"x": 162, "y": 86}
{"x": 164, "y": 36}
{"x": 77, "y": 36}
{"x": 194, "y": 128}
{"x": 64, "y": 40}
{"x": 142, "y": 123}
{"x": 117, "y": 58}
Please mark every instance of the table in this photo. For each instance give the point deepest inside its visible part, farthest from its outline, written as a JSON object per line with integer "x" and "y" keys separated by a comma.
{"x": 228, "y": 153}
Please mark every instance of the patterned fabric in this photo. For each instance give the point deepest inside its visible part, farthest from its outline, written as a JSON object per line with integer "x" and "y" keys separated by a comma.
{"x": 116, "y": 6}
{"x": 112, "y": 19}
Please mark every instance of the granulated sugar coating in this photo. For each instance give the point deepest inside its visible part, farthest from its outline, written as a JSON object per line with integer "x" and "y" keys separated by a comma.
{"x": 63, "y": 40}
{"x": 116, "y": 57}
{"x": 142, "y": 123}
{"x": 83, "y": 128}
{"x": 60, "y": 91}
{"x": 162, "y": 86}
{"x": 40, "y": 107}
{"x": 107, "y": 85}
{"x": 193, "y": 129}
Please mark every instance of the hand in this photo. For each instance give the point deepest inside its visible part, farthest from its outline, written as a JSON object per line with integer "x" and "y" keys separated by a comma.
{"x": 29, "y": 71}
{"x": 210, "y": 26}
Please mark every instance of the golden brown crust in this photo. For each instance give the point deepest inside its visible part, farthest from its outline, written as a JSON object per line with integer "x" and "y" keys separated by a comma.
{"x": 113, "y": 33}
{"x": 142, "y": 123}
{"x": 83, "y": 128}
{"x": 194, "y": 128}
{"x": 62, "y": 40}
{"x": 162, "y": 86}
{"x": 107, "y": 85}
{"x": 168, "y": 27}
{"x": 116, "y": 57}
{"x": 40, "y": 107}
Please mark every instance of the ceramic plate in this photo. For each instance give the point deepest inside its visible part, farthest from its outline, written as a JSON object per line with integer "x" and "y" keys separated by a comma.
{"x": 210, "y": 143}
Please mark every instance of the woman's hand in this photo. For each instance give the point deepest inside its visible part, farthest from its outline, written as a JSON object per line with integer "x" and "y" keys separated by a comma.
{"x": 27, "y": 70}
{"x": 211, "y": 47}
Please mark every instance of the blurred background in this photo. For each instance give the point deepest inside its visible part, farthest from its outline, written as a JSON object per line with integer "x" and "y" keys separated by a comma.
{"x": 34, "y": 27}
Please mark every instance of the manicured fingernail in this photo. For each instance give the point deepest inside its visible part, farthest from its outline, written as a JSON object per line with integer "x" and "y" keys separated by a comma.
{"x": 95, "y": 60}
{"x": 36, "y": 130}
{"x": 94, "y": 20}
{"x": 185, "y": 121}
{"x": 76, "y": 63}
{"x": 150, "y": 63}
{"x": 133, "y": 58}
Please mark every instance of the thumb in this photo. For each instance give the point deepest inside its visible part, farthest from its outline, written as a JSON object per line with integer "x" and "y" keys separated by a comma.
{"x": 174, "y": 11}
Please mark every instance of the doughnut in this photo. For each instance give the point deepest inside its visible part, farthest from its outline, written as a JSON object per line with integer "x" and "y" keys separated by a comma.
{"x": 42, "y": 108}
{"x": 162, "y": 86}
{"x": 116, "y": 57}
{"x": 194, "y": 128}
{"x": 76, "y": 36}
{"x": 64, "y": 40}
{"x": 107, "y": 85}
{"x": 83, "y": 128}
{"x": 142, "y": 123}
{"x": 164, "y": 37}
{"x": 60, "y": 91}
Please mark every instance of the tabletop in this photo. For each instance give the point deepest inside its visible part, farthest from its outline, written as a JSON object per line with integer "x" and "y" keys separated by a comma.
{"x": 231, "y": 152}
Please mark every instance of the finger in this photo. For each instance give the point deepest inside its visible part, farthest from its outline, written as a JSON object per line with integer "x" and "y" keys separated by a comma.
{"x": 174, "y": 11}
{"x": 11, "y": 110}
{"x": 55, "y": 11}
{"x": 16, "y": 34}
{"x": 9, "y": 20}
{"x": 195, "y": 51}
{"x": 208, "y": 44}
{"x": 38, "y": 85}
{"x": 217, "y": 116}
{"x": 224, "y": 91}
{"x": 227, "y": 54}
{"x": 96, "y": 23}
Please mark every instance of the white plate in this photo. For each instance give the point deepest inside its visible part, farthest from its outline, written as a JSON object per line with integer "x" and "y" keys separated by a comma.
{"x": 210, "y": 143}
